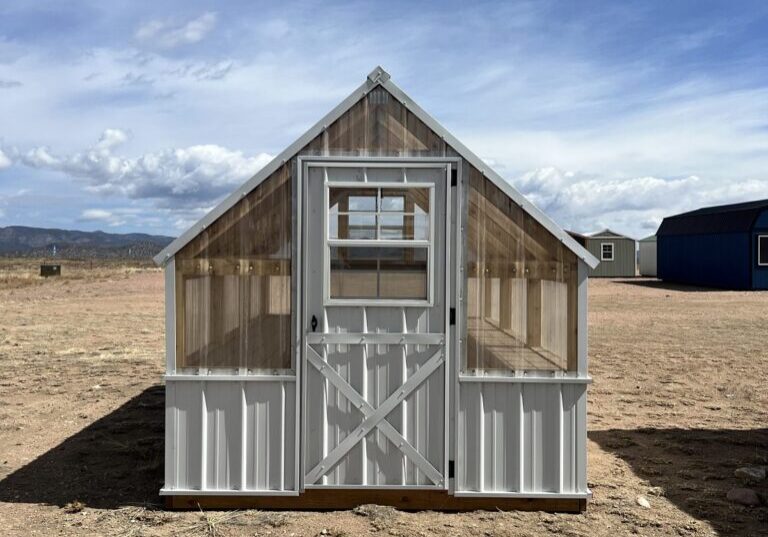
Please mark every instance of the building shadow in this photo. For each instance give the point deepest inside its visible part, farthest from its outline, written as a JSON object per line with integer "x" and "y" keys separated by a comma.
{"x": 694, "y": 468}
{"x": 668, "y": 286}
{"x": 115, "y": 461}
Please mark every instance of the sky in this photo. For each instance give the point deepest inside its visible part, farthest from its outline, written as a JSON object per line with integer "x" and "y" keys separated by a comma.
{"x": 135, "y": 116}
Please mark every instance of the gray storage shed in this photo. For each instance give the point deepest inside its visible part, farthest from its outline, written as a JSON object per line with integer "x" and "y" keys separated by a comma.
{"x": 617, "y": 254}
{"x": 376, "y": 317}
{"x": 647, "y": 256}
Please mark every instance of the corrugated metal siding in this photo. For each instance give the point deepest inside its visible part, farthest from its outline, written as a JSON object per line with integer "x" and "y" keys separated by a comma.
{"x": 229, "y": 435}
{"x": 721, "y": 260}
{"x": 520, "y": 437}
{"x": 623, "y": 264}
{"x": 647, "y": 263}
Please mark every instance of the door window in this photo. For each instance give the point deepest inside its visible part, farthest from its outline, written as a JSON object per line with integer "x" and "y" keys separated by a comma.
{"x": 379, "y": 243}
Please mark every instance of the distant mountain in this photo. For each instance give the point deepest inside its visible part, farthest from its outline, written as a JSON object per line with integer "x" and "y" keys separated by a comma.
{"x": 25, "y": 241}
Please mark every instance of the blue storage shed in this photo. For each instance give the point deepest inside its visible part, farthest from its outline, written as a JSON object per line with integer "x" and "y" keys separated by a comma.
{"x": 724, "y": 246}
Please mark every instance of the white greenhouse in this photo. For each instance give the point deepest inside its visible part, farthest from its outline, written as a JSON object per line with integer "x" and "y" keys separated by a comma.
{"x": 376, "y": 317}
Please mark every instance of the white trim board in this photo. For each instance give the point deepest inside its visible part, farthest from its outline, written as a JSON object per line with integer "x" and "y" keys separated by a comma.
{"x": 760, "y": 236}
{"x": 378, "y": 77}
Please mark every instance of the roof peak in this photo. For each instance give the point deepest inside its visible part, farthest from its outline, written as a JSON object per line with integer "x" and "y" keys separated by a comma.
{"x": 379, "y": 74}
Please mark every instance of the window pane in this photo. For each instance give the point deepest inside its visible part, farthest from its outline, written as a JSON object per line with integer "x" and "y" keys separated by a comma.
{"x": 362, "y": 272}
{"x": 403, "y": 273}
{"x": 763, "y": 249}
{"x": 421, "y": 227}
{"x": 354, "y": 272}
{"x": 408, "y": 200}
{"x": 344, "y": 200}
{"x": 352, "y": 226}
{"x": 521, "y": 288}
{"x": 392, "y": 200}
{"x": 393, "y": 226}
{"x": 404, "y": 226}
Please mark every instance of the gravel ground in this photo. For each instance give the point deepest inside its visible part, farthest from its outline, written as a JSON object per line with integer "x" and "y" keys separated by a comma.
{"x": 679, "y": 401}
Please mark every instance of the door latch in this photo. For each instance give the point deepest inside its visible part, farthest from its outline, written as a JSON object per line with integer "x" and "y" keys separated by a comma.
{"x": 313, "y": 323}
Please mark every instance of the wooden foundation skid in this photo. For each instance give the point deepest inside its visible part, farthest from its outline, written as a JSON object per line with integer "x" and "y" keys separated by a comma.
{"x": 407, "y": 500}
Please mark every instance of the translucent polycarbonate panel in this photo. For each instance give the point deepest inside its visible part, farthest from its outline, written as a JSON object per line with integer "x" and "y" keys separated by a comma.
{"x": 233, "y": 284}
{"x": 521, "y": 288}
{"x": 378, "y": 272}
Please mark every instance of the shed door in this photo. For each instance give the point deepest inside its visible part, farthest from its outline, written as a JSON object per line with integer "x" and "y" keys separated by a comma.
{"x": 374, "y": 322}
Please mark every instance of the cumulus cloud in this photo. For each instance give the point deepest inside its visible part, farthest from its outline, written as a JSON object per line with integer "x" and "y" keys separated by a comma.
{"x": 169, "y": 34}
{"x": 632, "y": 205}
{"x": 183, "y": 177}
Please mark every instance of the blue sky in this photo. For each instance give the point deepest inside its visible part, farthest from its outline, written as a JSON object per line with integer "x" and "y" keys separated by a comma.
{"x": 140, "y": 116}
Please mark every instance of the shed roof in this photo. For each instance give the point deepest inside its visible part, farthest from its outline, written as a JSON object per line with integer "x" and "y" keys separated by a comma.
{"x": 377, "y": 77}
{"x": 649, "y": 238}
{"x": 731, "y": 218}
{"x": 608, "y": 234}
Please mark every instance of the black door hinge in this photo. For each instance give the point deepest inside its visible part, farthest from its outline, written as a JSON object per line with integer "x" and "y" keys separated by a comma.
{"x": 454, "y": 177}
{"x": 451, "y": 470}
{"x": 452, "y": 316}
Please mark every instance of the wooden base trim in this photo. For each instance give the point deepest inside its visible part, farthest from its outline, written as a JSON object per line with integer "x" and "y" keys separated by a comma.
{"x": 406, "y": 500}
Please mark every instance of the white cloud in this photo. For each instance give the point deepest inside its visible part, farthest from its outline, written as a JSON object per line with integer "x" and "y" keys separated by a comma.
{"x": 5, "y": 161}
{"x": 182, "y": 177}
{"x": 168, "y": 34}
{"x": 631, "y": 205}
{"x": 96, "y": 214}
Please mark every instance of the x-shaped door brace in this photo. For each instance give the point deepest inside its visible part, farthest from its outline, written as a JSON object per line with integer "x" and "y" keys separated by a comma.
{"x": 373, "y": 418}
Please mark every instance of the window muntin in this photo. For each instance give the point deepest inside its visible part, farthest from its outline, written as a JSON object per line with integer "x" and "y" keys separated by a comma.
{"x": 606, "y": 251}
{"x": 762, "y": 250}
{"x": 379, "y": 243}
{"x": 378, "y": 213}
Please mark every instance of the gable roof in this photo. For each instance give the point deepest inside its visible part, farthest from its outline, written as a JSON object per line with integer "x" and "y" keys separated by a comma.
{"x": 578, "y": 237}
{"x": 608, "y": 234}
{"x": 731, "y": 218}
{"x": 377, "y": 77}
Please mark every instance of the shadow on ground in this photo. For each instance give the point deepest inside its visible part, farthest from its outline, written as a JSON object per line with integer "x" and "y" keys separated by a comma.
{"x": 694, "y": 467}
{"x": 669, "y": 286}
{"x": 115, "y": 461}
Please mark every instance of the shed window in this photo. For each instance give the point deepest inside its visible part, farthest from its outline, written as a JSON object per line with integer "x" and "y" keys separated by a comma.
{"x": 606, "y": 251}
{"x": 379, "y": 243}
{"x": 762, "y": 250}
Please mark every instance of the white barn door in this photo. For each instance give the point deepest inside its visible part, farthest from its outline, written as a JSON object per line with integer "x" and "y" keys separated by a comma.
{"x": 374, "y": 323}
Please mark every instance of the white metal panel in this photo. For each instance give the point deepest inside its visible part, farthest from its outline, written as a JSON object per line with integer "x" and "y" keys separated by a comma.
{"x": 230, "y": 436}
{"x": 525, "y": 438}
{"x": 648, "y": 258}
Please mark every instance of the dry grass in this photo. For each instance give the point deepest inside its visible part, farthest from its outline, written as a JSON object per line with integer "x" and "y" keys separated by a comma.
{"x": 679, "y": 401}
{"x": 18, "y": 273}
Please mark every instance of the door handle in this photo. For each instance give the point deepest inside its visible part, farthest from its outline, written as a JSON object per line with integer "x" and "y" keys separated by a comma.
{"x": 313, "y": 323}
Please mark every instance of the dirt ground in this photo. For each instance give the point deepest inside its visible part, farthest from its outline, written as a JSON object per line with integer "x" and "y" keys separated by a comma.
{"x": 679, "y": 400}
